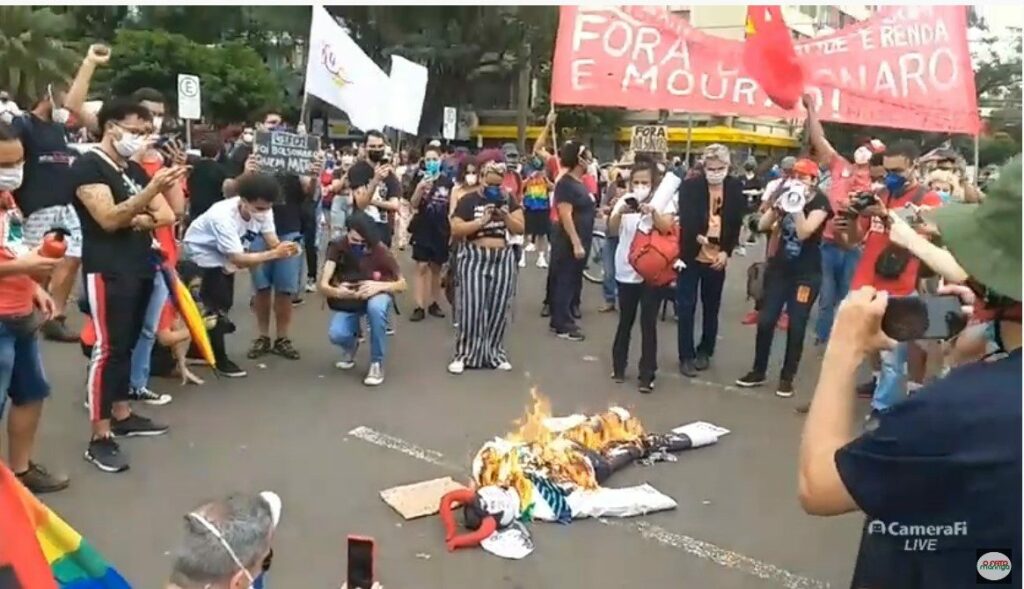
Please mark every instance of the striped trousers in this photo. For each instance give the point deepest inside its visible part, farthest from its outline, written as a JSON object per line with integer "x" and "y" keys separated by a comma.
{"x": 486, "y": 287}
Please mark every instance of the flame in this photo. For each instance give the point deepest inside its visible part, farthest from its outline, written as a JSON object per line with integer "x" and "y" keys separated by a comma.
{"x": 554, "y": 448}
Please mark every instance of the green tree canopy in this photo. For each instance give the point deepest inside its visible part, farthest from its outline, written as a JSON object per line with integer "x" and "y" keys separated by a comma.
{"x": 33, "y": 52}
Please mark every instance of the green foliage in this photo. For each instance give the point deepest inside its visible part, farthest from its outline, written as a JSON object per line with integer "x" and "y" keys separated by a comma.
{"x": 997, "y": 149}
{"x": 93, "y": 24}
{"x": 32, "y": 52}
{"x": 236, "y": 84}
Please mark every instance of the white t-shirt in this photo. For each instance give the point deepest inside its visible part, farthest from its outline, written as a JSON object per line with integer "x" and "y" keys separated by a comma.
{"x": 220, "y": 232}
{"x": 629, "y": 224}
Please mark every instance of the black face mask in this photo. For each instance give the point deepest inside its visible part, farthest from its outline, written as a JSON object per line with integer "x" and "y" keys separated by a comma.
{"x": 375, "y": 155}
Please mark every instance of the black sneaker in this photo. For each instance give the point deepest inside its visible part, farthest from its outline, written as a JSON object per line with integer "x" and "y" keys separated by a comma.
{"x": 545, "y": 311}
{"x": 106, "y": 455}
{"x": 866, "y": 390}
{"x": 136, "y": 425}
{"x": 389, "y": 330}
{"x": 751, "y": 380}
{"x": 687, "y": 369}
{"x": 785, "y": 389}
{"x": 435, "y": 311}
{"x": 575, "y": 312}
{"x": 56, "y": 330}
{"x": 618, "y": 377}
{"x": 702, "y": 362}
{"x": 296, "y": 301}
{"x": 39, "y": 480}
{"x": 646, "y": 387}
{"x": 149, "y": 397}
{"x": 283, "y": 347}
{"x": 230, "y": 369}
{"x": 417, "y": 315}
{"x": 574, "y": 335}
{"x": 260, "y": 347}
{"x": 802, "y": 408}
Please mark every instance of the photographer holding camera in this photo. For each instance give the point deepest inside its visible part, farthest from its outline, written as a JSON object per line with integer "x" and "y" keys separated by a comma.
{"x": 950, "y": 456}
{"x": 797, "y": 219}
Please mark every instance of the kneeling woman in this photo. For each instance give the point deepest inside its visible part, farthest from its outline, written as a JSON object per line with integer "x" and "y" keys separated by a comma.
{"x": 486, "y": 269}
{"x": 636, "y": 211}
{"x": 358, "y": 279}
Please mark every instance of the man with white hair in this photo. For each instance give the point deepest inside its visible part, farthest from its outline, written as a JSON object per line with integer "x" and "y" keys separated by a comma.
{"x": 227, "y": 543}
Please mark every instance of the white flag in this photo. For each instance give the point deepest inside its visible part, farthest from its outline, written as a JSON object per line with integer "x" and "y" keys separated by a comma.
{"x": 340, "y": 73}
{"x": 407, "y": 89}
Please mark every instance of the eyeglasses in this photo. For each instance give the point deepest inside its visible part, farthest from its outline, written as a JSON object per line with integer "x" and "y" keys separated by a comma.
{"x": 220, "y": 538}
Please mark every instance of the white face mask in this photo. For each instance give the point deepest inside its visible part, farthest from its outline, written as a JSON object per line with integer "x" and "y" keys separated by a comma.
{"x": 862, "y": 156}
{"x": 641, "y": 192}
{"x": 259, "y": 216}
{"x": 716, "y": 177}
{"x": 158, "y": 123}
{"x": 471, "y": 179}
{"x": 10, "y": 178}
{"x": 60, "y": 115}
{"x": 129, "y": 144}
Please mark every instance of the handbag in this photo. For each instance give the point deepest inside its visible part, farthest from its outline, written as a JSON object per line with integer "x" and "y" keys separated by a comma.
{"x": 755, "y": 281}
{"x": 653, "y": 255}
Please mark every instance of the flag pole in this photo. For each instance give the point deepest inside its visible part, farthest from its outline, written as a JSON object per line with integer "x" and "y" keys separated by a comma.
{"x": 689, "y": 138}
{"x": 977, "y": 148}
{"x": 305, "y": 105}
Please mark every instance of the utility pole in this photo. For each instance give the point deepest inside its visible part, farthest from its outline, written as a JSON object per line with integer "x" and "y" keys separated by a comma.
{"x": 523, "y": 97}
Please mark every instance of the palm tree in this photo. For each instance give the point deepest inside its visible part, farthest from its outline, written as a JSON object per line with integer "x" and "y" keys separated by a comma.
{"x": 33, "y": 51}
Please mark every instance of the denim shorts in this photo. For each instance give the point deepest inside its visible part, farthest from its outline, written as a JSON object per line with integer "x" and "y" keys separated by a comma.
{"x": 281, "y": 275}
{"x": 21, "y": 370}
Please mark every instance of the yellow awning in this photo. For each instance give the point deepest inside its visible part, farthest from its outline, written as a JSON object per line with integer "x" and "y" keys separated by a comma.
{"x": 701, "y": 135}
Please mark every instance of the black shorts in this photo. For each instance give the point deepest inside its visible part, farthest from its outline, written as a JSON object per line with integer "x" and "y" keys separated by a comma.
{"x": 384, "y": 233}
{"x": 428, "y": 251}
{"x": 538, "y": 223}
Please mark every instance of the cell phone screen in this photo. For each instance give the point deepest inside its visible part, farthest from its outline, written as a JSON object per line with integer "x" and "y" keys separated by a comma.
{"x": 923, "y": 317}
{"x": 360, "y": 563}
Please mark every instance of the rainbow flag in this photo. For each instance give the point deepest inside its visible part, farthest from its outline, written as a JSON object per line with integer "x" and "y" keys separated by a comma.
{"x": 39, "y": 550}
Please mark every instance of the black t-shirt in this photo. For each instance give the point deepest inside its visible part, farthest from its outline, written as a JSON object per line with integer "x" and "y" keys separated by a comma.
{"x": 948, "y": 457}
{"x": 431, "y": 221}
{"x": 236, "y": 160}
{"x": 751, "y": 184}
{"x": 48, "y": 180}
{"x": 801, "y": 258}
{"x": 205, "y": 186}
{"x": 361, "y": 174}
{"x": 471, "y": 207}
{"x": 288, "y": 214}
{"x": 124, "y": 251}
{"x": 374, "y": 263}
{"x": 584, "y": 210}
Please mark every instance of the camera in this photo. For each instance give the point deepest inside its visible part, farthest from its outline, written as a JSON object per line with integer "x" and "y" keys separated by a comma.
{"x": 859, "y": 202}
{"x": 632, "y": 203}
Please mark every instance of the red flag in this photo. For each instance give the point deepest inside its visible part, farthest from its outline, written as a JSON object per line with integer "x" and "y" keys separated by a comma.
{"x": 770, "y": 58}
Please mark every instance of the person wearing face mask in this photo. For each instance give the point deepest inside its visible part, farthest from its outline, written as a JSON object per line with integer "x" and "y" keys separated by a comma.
{"x": 793, "y": 277}
{"x": 378, "y": 198}
{"x": 430, "y": 231}
{"x": 486, "y": 269}
{"x": 887, "y": 266}
{"x": 359, "y": 279}
{"x": 47, "y": 191}
{"x": 341, "y": 202}
{"x": 537, "y": 209}
{"x": 23, "y": 302}
{"x": 711, "y": 210}
{"x": 227, "y": 543}
{"x": 946, "y": 185}
{"x": 636, "y": 211}
{"x": 753, "y": 186}
{"x": 119, "y": 206}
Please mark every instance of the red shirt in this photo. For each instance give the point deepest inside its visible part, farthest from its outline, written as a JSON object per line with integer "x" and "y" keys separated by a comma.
{"x": 16, "y": 290}
{"x": 846, "y": 179}
{"x": 877, "y": 239}
{"x": 512, "y": 183}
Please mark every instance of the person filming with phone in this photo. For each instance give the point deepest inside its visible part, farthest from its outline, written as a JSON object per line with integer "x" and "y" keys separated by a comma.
{"x": 946, "y": 461}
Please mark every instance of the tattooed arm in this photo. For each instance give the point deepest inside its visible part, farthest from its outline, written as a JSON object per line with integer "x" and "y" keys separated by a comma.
{"x": 99, "y": 201}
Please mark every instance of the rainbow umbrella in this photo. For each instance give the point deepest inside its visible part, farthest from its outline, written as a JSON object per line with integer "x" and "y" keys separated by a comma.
{"x": 182, "y": 300}
{"x": 59, "y": 558}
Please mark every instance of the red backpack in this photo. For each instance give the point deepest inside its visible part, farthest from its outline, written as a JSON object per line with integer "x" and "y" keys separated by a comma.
{"x": 653, "y": 254}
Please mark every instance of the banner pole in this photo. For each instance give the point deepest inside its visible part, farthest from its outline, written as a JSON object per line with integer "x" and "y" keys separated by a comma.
{"x": 977, "y": 148}
{"x": 689, "y": 138}
{"x": 305, "y": 104}
{"x": 554, "y": 130}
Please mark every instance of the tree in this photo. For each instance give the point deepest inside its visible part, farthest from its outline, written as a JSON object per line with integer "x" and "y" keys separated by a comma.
{"x": 236, "y": 84}
{"x": 94, "y": 23}
{"x": 33, "y": 52}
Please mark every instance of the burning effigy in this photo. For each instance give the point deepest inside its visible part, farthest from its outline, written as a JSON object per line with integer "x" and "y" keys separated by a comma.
{"x": 553, "y": 469}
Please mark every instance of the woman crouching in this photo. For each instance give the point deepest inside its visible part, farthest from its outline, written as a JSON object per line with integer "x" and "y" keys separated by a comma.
{"x": 486, "y": 270}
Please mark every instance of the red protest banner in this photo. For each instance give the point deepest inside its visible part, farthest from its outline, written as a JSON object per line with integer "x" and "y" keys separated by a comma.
{"x": 769, "y": 56}
{"x": 907, "y": 67}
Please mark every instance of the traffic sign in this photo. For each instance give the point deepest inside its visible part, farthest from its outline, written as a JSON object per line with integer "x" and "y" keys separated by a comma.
{"x": 189, "y": 97}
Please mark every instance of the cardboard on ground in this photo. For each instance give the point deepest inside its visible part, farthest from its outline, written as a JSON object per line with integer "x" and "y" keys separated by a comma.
{"x": 419, "y": 499}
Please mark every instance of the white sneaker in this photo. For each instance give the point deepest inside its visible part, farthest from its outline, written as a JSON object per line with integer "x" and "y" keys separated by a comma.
{"x": 531, "y": 247}
{"x": 348, "y": 360}
{"x": 740, "y": 250}
{"x": 311, "y": 285}
{"x": 506, "y": 366}
{"x": 522, "y": 260}
{"x": 542, "y": 262}
{"x": 147, "y": 396}
{"x": 457, "y": 367}
{"x": 375, "y": 375}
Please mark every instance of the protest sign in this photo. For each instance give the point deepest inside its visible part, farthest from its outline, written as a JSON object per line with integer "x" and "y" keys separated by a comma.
{"x": 905, "y": 67}
{"x": 649, "y": 138}
{"x": 285, "y": 153}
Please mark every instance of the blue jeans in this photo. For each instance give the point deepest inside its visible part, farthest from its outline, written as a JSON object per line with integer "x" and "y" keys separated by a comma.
{"x": 837, "y": 267}
{"x": 892, "y": 379}
{"x": 609, "y": 288}
{"x": 21, "y": 370}
{"x": 142, "y": 353}
{"x": 344, "y": 328}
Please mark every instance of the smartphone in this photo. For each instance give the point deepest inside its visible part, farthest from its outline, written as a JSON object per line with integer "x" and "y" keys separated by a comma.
{"x": 923, "y": 317}
{"x": 361, "y": 551}
{"x": 632, "y": 202}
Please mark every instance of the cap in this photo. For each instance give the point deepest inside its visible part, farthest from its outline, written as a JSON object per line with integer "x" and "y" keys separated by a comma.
{"x": 806, "y": 167}
{"x": 787, "y": 162}
{"x": 985, "y": 238}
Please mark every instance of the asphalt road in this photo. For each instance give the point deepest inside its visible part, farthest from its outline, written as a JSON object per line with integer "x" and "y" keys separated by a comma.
{"x": 286, "y": 428}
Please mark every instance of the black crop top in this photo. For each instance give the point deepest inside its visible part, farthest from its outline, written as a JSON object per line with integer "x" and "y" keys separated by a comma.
{"x": 471, "y": 207}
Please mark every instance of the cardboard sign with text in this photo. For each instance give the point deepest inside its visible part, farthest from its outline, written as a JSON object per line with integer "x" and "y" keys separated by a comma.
{"x": 649, "y": 138}
{"x": 286, "y": 153}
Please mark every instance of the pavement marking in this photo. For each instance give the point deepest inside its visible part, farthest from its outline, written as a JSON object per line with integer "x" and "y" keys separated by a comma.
{"x": 688, "y": 544}
{"x": 718, "y": 555}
